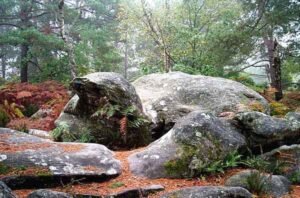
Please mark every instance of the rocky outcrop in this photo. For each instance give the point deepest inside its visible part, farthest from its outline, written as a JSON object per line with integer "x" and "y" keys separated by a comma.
{"x": 43, "y": 193}
{"x": 289, "y": 158}
{"x": 5, "y": 191}
{"x": 209, "y": 191}
{"x": 273, "y": 185}
{"x": 267, "y": 132}
{"x": 168, "y": 97}
{"x": 44, "y": 158}
{"x": 107, "y": 109}
{"x": 195, "y": 142}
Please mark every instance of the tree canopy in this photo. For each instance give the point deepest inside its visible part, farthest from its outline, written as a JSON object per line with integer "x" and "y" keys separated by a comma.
{"x": 61, "y": 39}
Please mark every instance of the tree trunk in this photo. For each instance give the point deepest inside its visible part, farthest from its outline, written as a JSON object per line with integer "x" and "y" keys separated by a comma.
{"x": 277, "y": 73}
{"x": 24, "y": 62}
{"x": 126, "y": 58}
{"x": 273, "y": 70}
{"x": 25, "y": 24}
{"x": 68, "y": 45}
{"x": 167, "y": 61}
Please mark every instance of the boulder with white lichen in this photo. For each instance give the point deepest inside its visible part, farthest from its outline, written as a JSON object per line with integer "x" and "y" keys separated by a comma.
{"x": 51, "y": 162}
{"x": 168, "y": 97}
{"x": 196, "y": 141}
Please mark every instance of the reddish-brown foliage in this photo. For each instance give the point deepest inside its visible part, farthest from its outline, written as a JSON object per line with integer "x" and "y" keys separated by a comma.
{"x": 292, "y": 100}
{"x": 123, "y": 126}
{"x": 47, "y": 95}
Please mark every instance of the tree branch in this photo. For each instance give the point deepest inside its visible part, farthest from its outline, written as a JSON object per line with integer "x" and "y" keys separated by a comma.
{"x": 9, "y": 24}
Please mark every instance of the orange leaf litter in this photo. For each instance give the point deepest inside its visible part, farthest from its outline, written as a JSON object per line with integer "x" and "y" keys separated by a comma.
{"x": 130, "y": 181}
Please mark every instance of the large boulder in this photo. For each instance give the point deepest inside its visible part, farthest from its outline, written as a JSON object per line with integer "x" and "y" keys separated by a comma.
{"x": 209, "y": 191}
{"x": 41, "y": 157}
{"x": 107, "y": 109}
{"x": 168, "y": 97}
{"x": 5, "y": 191}
{"x": 196, "y": 141}
{"x": 267, "y": 132}
{"x": 273, "y": 185}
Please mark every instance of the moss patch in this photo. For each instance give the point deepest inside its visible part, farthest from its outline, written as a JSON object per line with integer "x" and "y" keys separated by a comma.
{"x": 278, "y": 109}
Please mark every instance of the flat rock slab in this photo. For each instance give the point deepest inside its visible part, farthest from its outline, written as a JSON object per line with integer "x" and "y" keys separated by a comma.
{"x": 209, "y": 191}
{"x": 43, "y": 193}
{"x": 129, "y": 193}
{"x": 48, "y": 158}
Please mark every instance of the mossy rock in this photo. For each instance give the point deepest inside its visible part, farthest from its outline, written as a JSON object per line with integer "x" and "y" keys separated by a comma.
{"x": 105, "y": 110}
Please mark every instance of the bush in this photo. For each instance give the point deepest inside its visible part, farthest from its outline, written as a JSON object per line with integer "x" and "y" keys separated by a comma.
{"x": 278, "y": 109}
{"x": 295, "y": 177}
{"x": 181, "y": 167}
{"x": 256, "y": 183}
{"x": 204, "y": 70}
{"x": 244, "y": 79}
{"x": 30, "y": 109}
{"x": 4, "y": 119}
{"x": 4, "y": 169}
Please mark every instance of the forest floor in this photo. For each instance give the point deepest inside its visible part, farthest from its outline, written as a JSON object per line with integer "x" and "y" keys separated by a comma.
{"x": 54, "y": 96}
{"x": 129, "y": 181}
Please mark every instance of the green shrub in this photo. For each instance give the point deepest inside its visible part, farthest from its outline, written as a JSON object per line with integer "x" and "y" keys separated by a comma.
{"x": 181, "y": 167}
{"x": 255, "y": 162}
{"x": 204, "y": 70}
{"x": 244, "y": 79}
{"x": 256, "y": 183}
{"x": 4, "y": 169}
{"x": 259, "y": 163}
{"x": 61, "y": 132}
{"x": 30, "y": 109}
{"x": 116, "y": 185}
{"x": 4, "y": 119}
{"x": 278, "y": 109}
{"x": 295, "y": 177}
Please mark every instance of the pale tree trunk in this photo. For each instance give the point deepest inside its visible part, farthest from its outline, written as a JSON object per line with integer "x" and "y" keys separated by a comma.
{"x": 68, "y": 44}
{"x": 126, "y": 57}
{"x": 167, "y": 61}
{"x": 157, "y": 34}
{"x": 273, "y": 69}
{"x": 167, "y": 64}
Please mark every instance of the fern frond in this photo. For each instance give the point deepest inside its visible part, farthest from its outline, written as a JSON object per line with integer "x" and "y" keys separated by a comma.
{"x": 123, "y": 126}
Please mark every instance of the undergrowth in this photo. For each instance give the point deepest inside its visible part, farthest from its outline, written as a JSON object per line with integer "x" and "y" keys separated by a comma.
{"x": 19, "y": 101}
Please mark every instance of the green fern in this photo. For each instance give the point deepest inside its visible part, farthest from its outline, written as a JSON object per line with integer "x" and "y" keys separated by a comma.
{"x": 256, "y": 183}
{"x": 59, "y": 131}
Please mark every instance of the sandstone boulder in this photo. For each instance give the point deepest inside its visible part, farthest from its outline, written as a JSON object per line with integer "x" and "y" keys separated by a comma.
{"x": 209, "y": 191}
{"x": 267, "y": 132}
{"x": 168, "y": 97}
{"x": 196, "y": 141}
{"x": 106, "y": 109}
{"x": 273, "y": 185}
{"x": 43, "y": 158}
